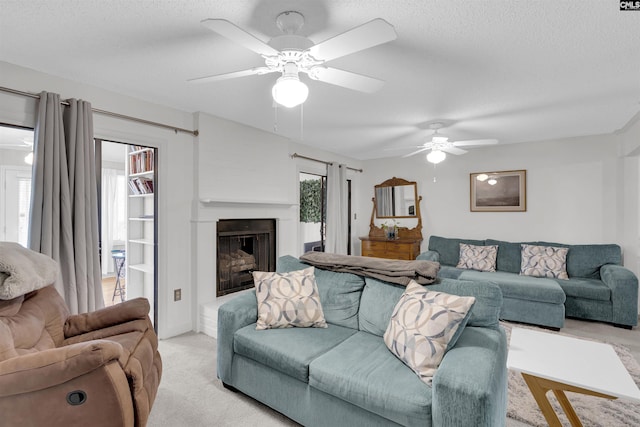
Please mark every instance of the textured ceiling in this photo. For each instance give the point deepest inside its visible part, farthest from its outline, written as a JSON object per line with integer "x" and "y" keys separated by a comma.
{"x": 512, "y": 70}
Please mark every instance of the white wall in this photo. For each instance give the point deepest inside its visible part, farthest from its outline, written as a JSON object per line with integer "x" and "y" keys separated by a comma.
{"x": 228, "y": 162}
{"x": 579, "y": 190}
{"x": 628, "y": 221}
{"x": 244, "y": 172}
{"x": 573, "y": 191}
{"x": 175, "y": 176}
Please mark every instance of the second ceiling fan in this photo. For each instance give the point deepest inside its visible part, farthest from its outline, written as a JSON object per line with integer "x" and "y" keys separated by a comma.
{"x": 291, "y": 54}
{"x": 440, "y": 145}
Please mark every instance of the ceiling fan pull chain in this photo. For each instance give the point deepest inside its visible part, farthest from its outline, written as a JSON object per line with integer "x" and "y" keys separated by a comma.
{"x": 434, "y": 173}
{"x": 275, "y": 117}
{"x": 301, "y": 122}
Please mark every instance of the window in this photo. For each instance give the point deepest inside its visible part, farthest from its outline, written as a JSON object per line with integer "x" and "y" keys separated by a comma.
{"x": 16, "y": 151}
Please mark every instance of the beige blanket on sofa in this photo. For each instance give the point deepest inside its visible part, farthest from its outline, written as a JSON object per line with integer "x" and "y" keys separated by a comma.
{"x": 23, "y": 270}
{"x": 389, "y": 270}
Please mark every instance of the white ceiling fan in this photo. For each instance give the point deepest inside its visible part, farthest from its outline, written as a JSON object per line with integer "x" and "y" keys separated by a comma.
{"x": 440, "y": 145}
{"x": 291, "y": 54}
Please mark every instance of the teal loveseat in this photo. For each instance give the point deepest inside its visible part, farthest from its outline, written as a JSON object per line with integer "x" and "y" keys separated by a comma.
{"x": 599, "y": 287}
{"x": 344, "y": 375}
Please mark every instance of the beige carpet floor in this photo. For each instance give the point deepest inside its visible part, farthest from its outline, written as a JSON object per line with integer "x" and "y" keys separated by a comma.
{"x": 191, "y": 395}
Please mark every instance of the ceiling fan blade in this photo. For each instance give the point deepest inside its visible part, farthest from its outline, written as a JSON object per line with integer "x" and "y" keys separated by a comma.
{"x": 346, "y": 79}
{"x": 475, "y": 142}
{"x": 416, "y": 152}
{"x": 453, "y": 150}
{"x": 367, "y": 35}
{"x": 238, "y": 35}
{"x": 232, "y": 75}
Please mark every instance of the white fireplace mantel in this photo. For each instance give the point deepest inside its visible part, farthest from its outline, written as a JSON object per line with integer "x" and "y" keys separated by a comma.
{"x": 207, "y": 212}
{"x": 216, "y": 201}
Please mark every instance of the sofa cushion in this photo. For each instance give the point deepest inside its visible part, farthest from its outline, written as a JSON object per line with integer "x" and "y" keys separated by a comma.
{"x": 379, "y": 299}
{"x": 449, "y": 248}
{"x": 509, "y": 255}
{"x": 544, "y": 261}
{"x": 486, "y": 310}
{"x": 287, "y": 300}
{"x": 423, "y": 325}
{"x": 376, "y": 305}
{"x": 481, "y": 258}
{"x": 586, "y": 288}
{"x": 585, "y": 260}
{"x": 288, "y": 350}
{"x": 521, "y": 287}
{"x": 362, "y": 371}
{"x": 339, "y": 292}
{"x": 447, "y": 272}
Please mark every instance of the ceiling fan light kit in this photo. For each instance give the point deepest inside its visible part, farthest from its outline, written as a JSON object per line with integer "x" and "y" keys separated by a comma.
{"x": 291, "y": 54}
{"x": 436, "y": 156}
{"x": 289, "y": 91}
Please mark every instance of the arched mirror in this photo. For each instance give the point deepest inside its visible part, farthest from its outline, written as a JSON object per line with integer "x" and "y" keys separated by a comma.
{"x": 396, "y": 198}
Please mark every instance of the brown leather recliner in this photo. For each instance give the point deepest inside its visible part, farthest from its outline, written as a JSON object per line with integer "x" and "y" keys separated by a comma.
{"x": 95, "y": 369}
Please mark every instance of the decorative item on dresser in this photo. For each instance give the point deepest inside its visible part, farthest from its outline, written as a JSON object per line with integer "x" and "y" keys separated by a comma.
{"x": 394, "y": 198}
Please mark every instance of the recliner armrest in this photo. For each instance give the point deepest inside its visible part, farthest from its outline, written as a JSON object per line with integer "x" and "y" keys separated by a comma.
{"x": 48, "y": 368}
{"x": 77, "y": 324}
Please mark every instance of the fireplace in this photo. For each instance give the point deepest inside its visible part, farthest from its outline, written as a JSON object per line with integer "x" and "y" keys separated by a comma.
{"x": 244, "y": 246}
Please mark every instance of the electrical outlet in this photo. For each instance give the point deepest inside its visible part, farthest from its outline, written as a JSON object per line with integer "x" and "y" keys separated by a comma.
{"x": 177, "y": 294}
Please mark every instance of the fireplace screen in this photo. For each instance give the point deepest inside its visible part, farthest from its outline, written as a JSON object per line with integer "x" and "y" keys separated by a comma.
{"x": 244, "y": 246}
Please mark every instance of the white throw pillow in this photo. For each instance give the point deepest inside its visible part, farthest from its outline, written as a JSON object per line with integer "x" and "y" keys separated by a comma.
{"x": 544, "y": 261}
{"x": 287, "y": 300}
{"x": 482, "y": 258}
{"x": 422, "y": 326}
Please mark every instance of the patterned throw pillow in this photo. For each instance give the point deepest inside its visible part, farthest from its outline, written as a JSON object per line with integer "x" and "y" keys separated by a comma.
{"x": 287, "y": 300}
{"x": 544, "y": 261}
{"x": 481, "y": 258}
{"x": 422, "y": 326}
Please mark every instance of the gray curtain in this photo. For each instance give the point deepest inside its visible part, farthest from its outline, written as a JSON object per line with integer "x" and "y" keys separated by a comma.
{"x": 337, "y": 209}
{"x": 64, "y": 201}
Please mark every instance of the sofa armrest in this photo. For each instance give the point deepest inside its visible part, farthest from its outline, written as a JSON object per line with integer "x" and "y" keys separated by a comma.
{"x": 624, "y": 293}
{"x": 78, "y": 324}
{"x": 429, "y": 256}
{"x": 233, "y": 315}
{"x": 48, "y": 368}
{"x": 470, "y": 386}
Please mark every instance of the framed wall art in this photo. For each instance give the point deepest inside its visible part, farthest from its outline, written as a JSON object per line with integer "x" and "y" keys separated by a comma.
{"x": 502, "y": 191}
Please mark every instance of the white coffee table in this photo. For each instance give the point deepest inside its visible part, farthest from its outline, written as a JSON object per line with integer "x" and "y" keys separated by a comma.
{"x": 560, "y": 363}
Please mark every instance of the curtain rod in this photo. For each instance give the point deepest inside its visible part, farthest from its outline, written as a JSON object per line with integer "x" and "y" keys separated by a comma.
{"x": 107, "y": 113}
{"x": 294, "y": 155}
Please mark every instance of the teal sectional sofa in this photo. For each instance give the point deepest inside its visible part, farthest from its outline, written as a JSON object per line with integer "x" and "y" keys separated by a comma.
{"x": 344, "y": 375}
{"x": 599, "y": 287}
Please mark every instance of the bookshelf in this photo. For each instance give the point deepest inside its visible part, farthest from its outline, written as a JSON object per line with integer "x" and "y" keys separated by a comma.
{"x": 142, "y": 224}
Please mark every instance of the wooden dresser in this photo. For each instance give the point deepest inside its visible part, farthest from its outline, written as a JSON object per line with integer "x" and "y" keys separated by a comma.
{"x": 405, "y": 248}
